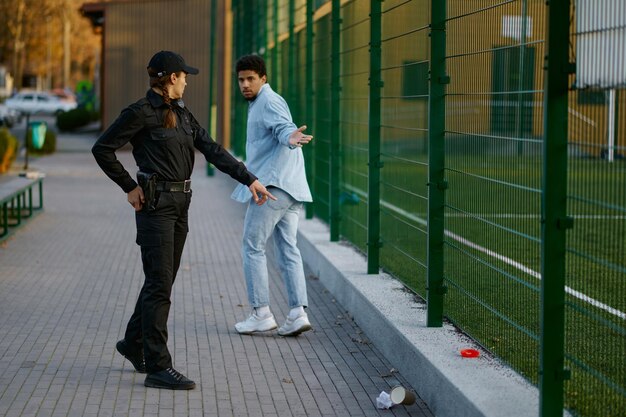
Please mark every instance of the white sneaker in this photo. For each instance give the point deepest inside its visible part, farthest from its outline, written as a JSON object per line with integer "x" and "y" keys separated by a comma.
{"x": 255, "y": 323}
{"x": 294, "y": 327}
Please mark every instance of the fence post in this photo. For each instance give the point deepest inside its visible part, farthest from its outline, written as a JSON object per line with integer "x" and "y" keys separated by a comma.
{"x": 292, "y": 53}
{"x": 261, "y": 9}
{"x": 374, "y": 162}
{"x": 309, "y": 159}
{"x": 335, "y": 157}
{"x": 235, "y": 53}
{"x": 275, "y": 72}
{"x": 437, "y": 184}
{"x": 211, "y": 76}
{"x": 554, "y": 222}
{"x": 292, "y": 93}
{"x": 521, "y": 80}
{"x": 238, "y": 122}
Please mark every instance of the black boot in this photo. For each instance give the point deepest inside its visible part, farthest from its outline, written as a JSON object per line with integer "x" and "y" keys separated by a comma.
{"x": 169, "y": 378}
{"x": 135, "y": 357}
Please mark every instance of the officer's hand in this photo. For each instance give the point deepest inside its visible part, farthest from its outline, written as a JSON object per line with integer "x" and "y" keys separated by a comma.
{"x": 260, "y": 193}
{"x": 297, "y": 138}
{"x": 136, "y": 198}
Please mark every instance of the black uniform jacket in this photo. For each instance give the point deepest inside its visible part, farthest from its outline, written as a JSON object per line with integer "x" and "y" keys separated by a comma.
{"x": 167, "y": 152}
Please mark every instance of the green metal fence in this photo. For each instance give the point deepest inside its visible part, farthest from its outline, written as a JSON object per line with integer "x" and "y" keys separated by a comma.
{"x": 595, "y": 258}
{"x": 476, "y": 150}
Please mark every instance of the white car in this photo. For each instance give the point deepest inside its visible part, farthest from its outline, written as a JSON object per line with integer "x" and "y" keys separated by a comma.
{"x": 8, "y": 117}
{"x": 39, "y": 103}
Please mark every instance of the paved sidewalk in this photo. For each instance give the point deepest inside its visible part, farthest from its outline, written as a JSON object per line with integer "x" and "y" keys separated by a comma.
{"x": 68, "y": 283}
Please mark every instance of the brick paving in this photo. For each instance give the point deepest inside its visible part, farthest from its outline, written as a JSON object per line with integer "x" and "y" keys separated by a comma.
{"x": 68, "y": 283}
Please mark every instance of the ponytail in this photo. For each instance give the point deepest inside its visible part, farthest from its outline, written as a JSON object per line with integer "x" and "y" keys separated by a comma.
{"x": 169, "y": 121}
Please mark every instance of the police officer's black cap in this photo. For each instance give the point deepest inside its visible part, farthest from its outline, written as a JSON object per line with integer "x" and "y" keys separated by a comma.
{"x": 168, "y": 62}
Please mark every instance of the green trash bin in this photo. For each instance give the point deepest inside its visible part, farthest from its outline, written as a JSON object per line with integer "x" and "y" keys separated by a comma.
{"x": 37, "y": 134}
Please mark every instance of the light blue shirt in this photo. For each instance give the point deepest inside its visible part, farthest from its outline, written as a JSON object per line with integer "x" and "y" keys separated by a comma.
{"x": 268, "y": 153}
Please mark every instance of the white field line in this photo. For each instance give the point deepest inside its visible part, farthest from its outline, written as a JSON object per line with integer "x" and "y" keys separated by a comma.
{"x": 581, "y": 117}
{"x": 508, "y": 261}
{"x": 523, "y": 268}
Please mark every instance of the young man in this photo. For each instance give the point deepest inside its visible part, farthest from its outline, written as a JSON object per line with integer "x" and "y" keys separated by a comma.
{"x": 273, "y": 149}
{"x": 164, "y": 135}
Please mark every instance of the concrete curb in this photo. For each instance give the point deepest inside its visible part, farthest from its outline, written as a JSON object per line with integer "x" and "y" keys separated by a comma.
{"x": 396, "y": 324}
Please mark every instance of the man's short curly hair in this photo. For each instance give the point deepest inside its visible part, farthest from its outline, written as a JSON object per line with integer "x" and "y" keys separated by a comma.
{"x": 252, "y": 63}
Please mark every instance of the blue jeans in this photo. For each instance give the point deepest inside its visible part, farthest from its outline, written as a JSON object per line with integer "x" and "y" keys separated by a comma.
{"x": 281, "y": 218}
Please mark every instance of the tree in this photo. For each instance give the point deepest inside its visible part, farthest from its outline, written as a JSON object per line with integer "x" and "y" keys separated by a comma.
{"x": 31, "y": 42}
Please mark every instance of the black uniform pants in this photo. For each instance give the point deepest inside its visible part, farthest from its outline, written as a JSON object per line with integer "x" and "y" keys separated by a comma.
{"x": 161, "y": 234}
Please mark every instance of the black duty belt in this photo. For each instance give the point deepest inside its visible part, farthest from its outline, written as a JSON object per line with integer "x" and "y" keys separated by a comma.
{"x": 174, "y": 187}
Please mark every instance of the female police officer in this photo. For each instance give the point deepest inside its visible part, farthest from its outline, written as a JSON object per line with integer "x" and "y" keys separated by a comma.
{"x": 163, "y": 133}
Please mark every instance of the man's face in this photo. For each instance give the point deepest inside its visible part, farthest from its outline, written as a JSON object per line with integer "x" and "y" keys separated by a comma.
{"x": 250, "y": 83}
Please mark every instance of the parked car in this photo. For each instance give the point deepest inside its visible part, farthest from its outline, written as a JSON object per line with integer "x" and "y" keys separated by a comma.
{"x": 64, "y": 94}
{"x": 38, "y": 103}
{"x": 8, "y": 117}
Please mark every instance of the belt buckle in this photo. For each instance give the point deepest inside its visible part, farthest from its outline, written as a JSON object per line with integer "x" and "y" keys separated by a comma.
{"x": 187, "y": 186}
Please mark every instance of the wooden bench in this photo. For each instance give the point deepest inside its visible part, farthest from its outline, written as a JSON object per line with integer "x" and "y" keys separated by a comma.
{"x": 16, "y": 202}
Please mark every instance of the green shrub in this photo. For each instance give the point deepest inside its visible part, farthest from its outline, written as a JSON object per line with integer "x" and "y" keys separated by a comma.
{"x": 49, "y": 144}
{"x": 8, "y": 149}
{"x": 73, "y": 119}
